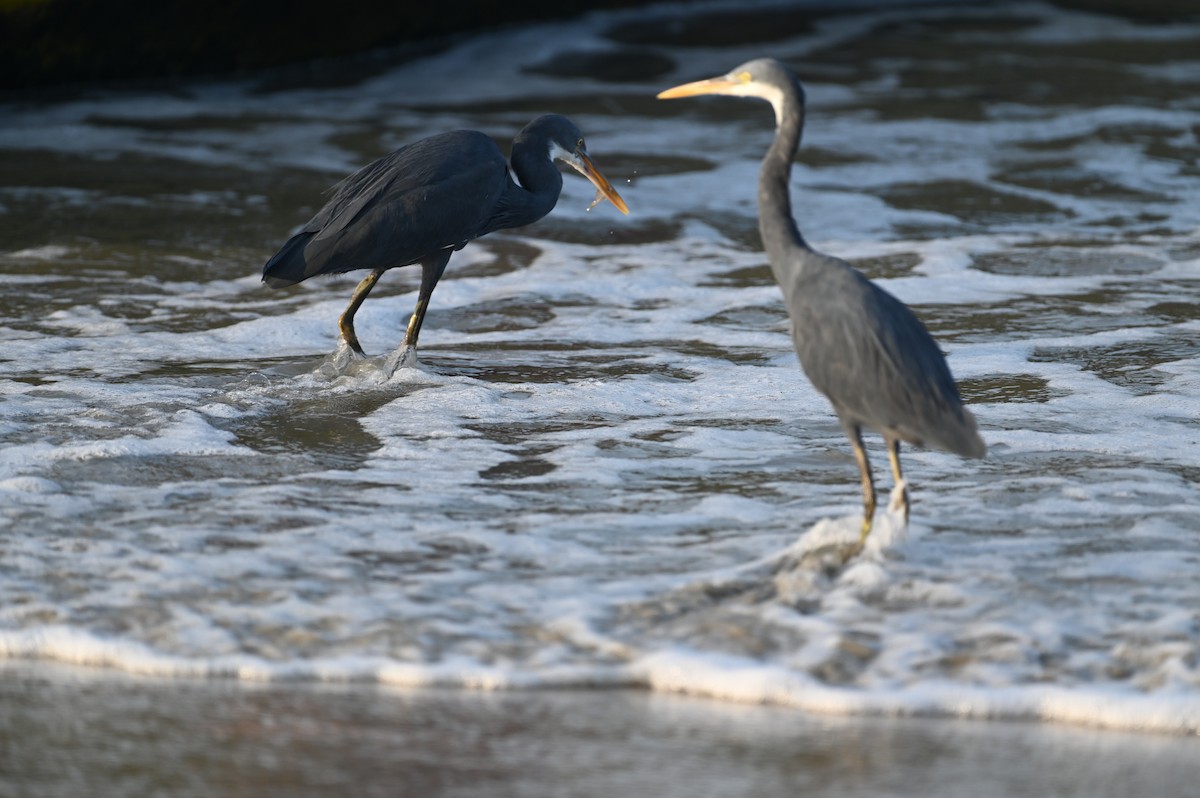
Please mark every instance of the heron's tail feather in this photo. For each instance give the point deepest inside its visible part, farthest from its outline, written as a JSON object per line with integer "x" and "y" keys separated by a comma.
{"x": 963, "y": 439}
{"x": 288, "y": 266}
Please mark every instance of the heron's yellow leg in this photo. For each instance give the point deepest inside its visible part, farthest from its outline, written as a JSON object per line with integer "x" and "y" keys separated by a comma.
{"x": 897, "y": 474}
{"x": 868, "y": 484}
{"x": 415, "y": 321}
{"x": 431, "y": 272}
{"x": 346, "y": 321}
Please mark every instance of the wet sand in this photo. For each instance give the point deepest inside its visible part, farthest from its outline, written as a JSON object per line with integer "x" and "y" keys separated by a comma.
{"x": 72, "y": 732}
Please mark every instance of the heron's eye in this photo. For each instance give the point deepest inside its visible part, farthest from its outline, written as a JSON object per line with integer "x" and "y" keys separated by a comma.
{"x": 579, "y": 145}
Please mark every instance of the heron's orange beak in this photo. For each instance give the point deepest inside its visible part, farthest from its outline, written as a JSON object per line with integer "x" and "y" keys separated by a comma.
{"x": 589, "y": 170}
{"x": 722, "y": 85}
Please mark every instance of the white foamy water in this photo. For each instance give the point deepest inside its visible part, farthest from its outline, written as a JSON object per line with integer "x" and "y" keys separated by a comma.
{"x": 608, "y": 469}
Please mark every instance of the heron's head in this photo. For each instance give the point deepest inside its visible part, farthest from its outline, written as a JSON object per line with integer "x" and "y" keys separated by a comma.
{"x": 564, "y": 142}
{"x": 764, "y": 78}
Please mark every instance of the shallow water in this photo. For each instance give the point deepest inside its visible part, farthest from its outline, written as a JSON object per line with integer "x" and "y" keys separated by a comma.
{"x": 607, "y": 469}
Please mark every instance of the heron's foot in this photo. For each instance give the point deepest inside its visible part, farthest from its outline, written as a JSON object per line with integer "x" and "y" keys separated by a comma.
{"x": 404, "y": 357}
{"x": 340, "y": 361}
{"x": 898, "y": 503}
{"x": 348, "y": 338}
{"x": 867, "y": 523}
{"x": 857, "y": 548}
{"x": 349, "y": 349}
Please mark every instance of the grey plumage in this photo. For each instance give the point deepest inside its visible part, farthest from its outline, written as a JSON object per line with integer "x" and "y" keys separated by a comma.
{"x": 874, "y": 360}
{"x": 859, "y": 345}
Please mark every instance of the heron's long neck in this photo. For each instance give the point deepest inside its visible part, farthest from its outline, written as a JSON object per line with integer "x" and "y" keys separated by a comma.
{"x": 541, "y": 183}
{"x": 786, "y": 248}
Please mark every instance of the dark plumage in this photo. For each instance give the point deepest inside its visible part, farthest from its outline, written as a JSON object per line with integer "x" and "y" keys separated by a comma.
{"x": 427, "y": 199}
{"x": 859, "y": 345}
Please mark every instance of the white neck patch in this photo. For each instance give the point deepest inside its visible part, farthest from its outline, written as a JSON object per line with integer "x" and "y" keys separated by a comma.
{"x": 558, "y": 153}
{"x": 762, "y": 91}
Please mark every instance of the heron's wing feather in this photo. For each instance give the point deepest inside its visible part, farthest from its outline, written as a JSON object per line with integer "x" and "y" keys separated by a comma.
{"x": 420, "y": 167}
{"x": 434, "y": 194}
{"x": 878, "y": 364}
{"x": 402, "y": 227}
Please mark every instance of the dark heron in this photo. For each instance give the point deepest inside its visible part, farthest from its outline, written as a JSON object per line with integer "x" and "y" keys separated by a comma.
{"x": 426, "y": 200}
{"x": 859, "y": 345}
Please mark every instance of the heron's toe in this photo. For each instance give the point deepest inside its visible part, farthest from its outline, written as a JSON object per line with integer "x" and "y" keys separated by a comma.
{"x": 404, "y": 357}
{"x": 348, "y": 351}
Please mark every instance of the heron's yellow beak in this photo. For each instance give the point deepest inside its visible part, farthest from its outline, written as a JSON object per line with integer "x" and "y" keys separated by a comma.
{"x": 726, "y": 84}
{"x": 588, "y": 169}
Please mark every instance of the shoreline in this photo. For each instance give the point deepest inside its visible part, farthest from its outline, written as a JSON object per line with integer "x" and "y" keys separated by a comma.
{"x": 76, "y": 654}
